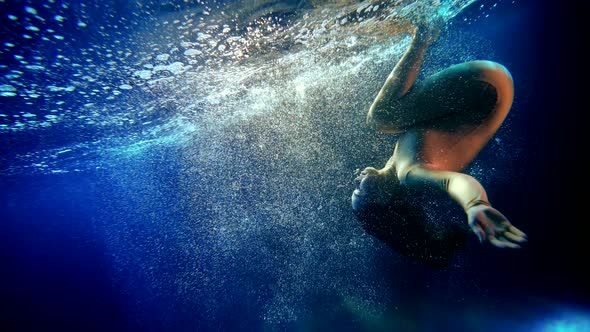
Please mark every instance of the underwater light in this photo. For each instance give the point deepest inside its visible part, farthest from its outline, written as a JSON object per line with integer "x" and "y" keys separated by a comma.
{"x": 300, "y": 88}
{"x": 568, "y": 322}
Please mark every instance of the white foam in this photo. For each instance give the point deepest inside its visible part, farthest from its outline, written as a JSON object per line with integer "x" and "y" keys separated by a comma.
{"x": 192, "y": 52}
{"x": 35, "y": 67}
{"x": 7, "y": 88}
{"x": 30, "y": 10}
{"x": 163, "y": 57}
{"x": 144, "y": 74}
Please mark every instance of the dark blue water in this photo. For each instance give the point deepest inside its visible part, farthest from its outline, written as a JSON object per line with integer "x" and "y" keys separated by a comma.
{"x": 121, "y": 248}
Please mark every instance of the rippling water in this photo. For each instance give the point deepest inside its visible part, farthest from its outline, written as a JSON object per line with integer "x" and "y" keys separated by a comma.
{"x": 86, "y": 78}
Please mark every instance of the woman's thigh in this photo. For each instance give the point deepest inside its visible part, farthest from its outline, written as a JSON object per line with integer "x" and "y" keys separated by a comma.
{"x": 455, "y": 91}
{"x": 457, "y": 111}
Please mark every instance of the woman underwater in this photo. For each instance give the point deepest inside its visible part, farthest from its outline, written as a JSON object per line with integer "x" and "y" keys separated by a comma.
{"x": 443, "y": 121}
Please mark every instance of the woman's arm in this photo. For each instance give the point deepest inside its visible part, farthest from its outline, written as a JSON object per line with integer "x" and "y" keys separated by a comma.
{"x": 486, "y": 222}
{"x": 463, "y": 188}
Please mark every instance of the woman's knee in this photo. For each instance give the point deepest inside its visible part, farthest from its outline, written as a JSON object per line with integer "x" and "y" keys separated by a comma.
{"x": 499, "y": 77}
{"x": 491, "y": 72}
{"x": 477, "y": 69}
{"x": 486, "y": 65}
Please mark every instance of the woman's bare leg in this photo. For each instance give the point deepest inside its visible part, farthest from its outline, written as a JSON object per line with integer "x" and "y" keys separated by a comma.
{"x": 400, "y": 81}
{"x": 462, "y": 107}
{"x": 468, "y": 102}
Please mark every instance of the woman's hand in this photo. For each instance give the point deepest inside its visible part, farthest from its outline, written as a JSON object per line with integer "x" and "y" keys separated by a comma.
{"x": 492, "y": 226}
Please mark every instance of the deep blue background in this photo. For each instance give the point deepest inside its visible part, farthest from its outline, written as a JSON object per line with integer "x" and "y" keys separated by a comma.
{"x": 64, "y": 281}
{"x": 541, "y": 43}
